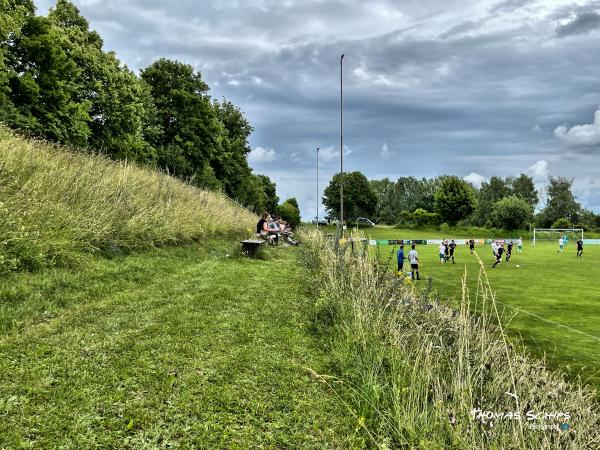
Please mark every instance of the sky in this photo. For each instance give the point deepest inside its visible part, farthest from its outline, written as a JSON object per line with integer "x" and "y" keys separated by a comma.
{"x": 473, "y": 88}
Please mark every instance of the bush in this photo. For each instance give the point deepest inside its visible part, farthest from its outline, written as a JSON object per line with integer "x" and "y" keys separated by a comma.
{"x": 423, "y": 217}
{"x": 561, "y": 222}
{"x": 512, "y": 213}
{"x": 289, "y": 212}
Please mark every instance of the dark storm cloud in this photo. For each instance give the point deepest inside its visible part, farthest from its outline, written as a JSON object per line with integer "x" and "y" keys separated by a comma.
{"x": 509, "y": 6}
{"x": 583, "y": 23}
{"x": 449, "y": 87}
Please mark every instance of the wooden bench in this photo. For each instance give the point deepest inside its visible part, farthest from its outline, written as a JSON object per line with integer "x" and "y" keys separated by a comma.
{"x": 250, "y": 246}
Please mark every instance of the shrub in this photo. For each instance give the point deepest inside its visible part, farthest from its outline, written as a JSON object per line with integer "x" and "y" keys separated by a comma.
{"x": 561, "y": 222}
{"x": 289, "y": 212}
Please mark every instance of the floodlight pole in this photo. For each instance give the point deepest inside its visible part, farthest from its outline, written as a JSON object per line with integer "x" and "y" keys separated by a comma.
{"x": 341, "y": 233}
{"x": 318, "y": 188}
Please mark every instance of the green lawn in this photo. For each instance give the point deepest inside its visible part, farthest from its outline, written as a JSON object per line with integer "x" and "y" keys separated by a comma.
{"x": 179, "y": 347}
{"x": 556, "y": 297}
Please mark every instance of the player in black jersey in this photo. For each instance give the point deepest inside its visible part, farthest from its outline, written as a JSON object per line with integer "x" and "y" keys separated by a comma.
{"x": 499, "y": 252}
{"x": 471, "y": 245}
{"x": 509, "y": 251}
{"x": 451, "y": 248}
{"x": 579, "y": 247}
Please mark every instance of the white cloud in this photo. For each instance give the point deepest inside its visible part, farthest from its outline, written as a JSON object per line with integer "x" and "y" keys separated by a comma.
{"x": 539, "y": 171}
{"x": 332, "y": 153}
{"x": 475, "y": 179}
{"x": 261, "y": 154}
{"x": 328, "y": 154}
{"x": 580, "y": 135}
{"x": 386, "y": 153}
{"x": 537, "y": 128}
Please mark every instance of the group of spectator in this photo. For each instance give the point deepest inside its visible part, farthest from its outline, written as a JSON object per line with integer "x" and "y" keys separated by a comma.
{"x": 275, "y": 229}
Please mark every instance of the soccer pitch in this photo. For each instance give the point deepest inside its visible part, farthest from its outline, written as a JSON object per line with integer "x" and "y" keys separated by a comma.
{"x": 555, "y": 297}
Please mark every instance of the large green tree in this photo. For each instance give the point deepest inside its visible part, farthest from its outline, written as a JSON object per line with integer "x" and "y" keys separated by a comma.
{"x": 489, "y": 193}
{"x": 406, "y": 194}
{"x": 121, "y": 107}
{"x": 359, "y": 197}
{"x": 229, "y": 158}
{"x": 270, "y": 193}
{"x": 190, "y": 130}
{"x": 512, "y": 213}
{"x": 45, "y": 85}
{"x": 524, "y": 188}
{"x": 454, "y": 199}
{"x": 560, "y": 202}
{"x": 13, "y": 13}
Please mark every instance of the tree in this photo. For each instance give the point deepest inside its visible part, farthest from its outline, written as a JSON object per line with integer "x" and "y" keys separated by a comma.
{"x": 270, "y": 192}
{"x": 562, "y": 222}
{"x": 119, "y": 102}
{"x": 190, "y": 128}
{"x": 512, "y": 213}
{"x": 560, "y": 202}
{"x": 359, "y": 197}
{"x": 489, "y": 193}
{"x": 289, "y": 212}
{"x": 454, "y": 199}
{"x": 13, "y": 13}
{"x": 229, "y": 159}
{"x": 45, "y": 85}
{"x": 406, "y": 194}
{"x": 523, "y": 187}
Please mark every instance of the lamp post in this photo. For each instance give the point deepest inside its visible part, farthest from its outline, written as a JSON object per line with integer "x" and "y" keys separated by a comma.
{"x": 341, "y": 234}
{"x": 318, "y": 188}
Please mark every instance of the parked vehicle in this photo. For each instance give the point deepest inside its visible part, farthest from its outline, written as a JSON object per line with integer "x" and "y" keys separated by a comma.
{"x": 363, "y": 221}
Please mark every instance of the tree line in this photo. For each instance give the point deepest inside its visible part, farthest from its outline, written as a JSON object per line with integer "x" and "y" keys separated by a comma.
{"x": 57, "y": 83}
{"x": 508, "y": 203}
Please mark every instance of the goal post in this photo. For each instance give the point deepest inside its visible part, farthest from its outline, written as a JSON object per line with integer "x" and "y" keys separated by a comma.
{"x": 548, "y": 234}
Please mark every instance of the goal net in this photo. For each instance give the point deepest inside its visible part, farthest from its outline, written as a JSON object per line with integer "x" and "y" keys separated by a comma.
{"x": 553, "y": 234}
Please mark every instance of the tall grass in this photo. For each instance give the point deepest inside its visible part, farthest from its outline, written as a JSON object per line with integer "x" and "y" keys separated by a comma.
{"x": 418, "y": 369}
{"x": 56, "y": 204}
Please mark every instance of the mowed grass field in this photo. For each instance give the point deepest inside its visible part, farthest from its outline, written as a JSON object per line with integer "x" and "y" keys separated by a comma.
{"x": 554, "y": 298}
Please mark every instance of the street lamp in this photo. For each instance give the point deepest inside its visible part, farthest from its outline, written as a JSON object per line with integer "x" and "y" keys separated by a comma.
{"x": 341, "y": 234}
{"x": 318, "y": 188}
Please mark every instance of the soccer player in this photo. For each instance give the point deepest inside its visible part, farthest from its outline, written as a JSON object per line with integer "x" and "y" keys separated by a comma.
{"x": 499, "y": 251}
{"x": 401, "y": 259}
{"x": 520, "y": 245}
{"x": 471, "y": 245}
{"x": 494, "y": 248}
{"x": 579, "y": 248}
{"x": 509, "y": 250}
{"x": 446, "y": 251}
{"x": 452, "y": 246}
{"x": 413, "y": 258}
{"x": 442, "y": 247}
{"x": 561, "y": 244}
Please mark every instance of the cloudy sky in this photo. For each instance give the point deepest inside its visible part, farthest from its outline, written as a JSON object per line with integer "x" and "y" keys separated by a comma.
{"x": 468, "y": 87}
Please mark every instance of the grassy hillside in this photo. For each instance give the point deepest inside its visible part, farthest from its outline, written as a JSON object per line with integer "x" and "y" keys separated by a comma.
{"x": 56, "y": 204}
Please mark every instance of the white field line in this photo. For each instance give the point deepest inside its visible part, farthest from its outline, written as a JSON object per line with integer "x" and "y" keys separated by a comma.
{"x": 537, "y": 316}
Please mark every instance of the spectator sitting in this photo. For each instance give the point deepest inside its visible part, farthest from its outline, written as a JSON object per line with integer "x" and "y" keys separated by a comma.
{"x": 285, "y": 229}
{"x": 264, "y": 230}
